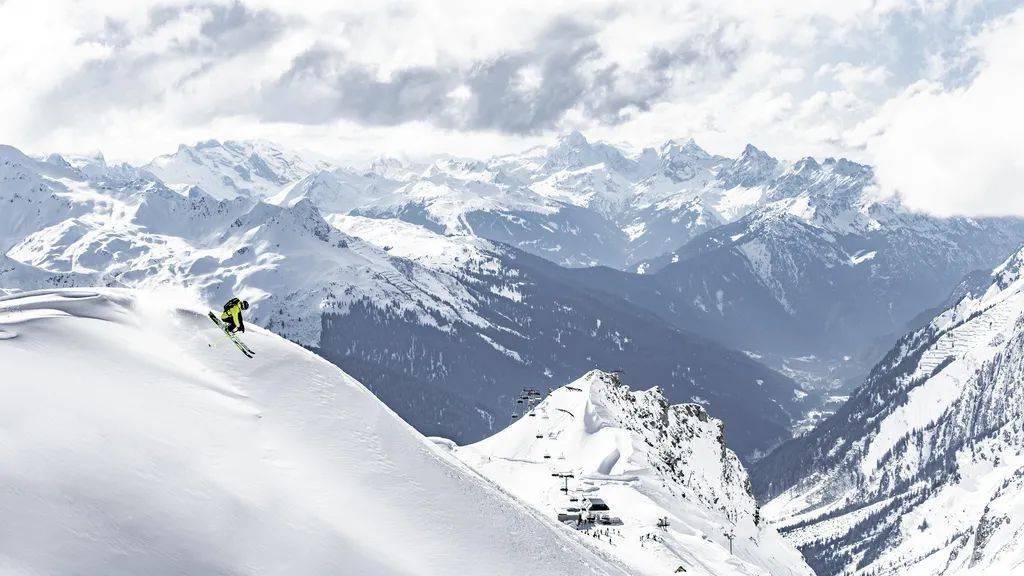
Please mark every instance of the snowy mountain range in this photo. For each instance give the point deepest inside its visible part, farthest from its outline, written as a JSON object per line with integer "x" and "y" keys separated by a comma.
{"x": 445, "y": 329}
{"x": 765, "y": 255}
{"x": 449, "y": 287}
{"x": 153, "y": 447}
{"x": 835, "y": 268}
{"x": 799, "y": 265}
{"x": 783, "y": 259}
{"x": 922, "y": 470}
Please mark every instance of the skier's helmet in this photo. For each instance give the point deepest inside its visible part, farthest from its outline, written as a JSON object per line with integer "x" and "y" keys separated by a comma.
{"x": 245, "y": 304}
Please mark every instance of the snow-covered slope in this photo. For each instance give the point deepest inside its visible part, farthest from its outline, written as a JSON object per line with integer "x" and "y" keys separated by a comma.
{"x": 647, "y": 460}
{"x": 15, "y": 276}
{"x": 253, "y": 169}
{"x": 921, "y": 471}
{"x": 136, "y": 440}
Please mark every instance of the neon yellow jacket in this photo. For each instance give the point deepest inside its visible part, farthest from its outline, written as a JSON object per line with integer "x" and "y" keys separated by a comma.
{"x": 233, "y": 316}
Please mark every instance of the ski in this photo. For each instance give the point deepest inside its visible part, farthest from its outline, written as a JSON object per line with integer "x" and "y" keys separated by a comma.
{"x": 248, "y": 352}
{"x": 242, "y": 345}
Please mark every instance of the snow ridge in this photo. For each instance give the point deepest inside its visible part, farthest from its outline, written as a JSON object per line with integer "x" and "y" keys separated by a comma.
{"x": 647, "y": 460}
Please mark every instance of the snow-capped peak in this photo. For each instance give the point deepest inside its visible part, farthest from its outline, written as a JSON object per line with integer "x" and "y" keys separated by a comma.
{"x": 574, "y": 139}
{"x": 806, "y": 165}
{"x": 754, "y": 167}
{"x": 394, "y": 169}
{"x": 689, "y": 148}
{"x": 573, "y": 151}
{"x": 283, "y": 223}
{"x": 652, "y": 464}
{"x": 754, "y": 156}
{"x": 16, "y": 165}
{"x": 844, "y": 167}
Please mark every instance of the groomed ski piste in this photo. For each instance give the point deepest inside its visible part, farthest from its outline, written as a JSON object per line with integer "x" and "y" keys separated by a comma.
{"x": 134, "y": 439}
{"x": 646, "y": 461}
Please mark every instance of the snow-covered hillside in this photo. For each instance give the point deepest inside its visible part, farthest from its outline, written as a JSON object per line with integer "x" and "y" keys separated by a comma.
{"x": 136, "y": 440}
{"x": 647, "y": 461}
{"x": 922, "y": 471}
{"x": 15, "y": 276}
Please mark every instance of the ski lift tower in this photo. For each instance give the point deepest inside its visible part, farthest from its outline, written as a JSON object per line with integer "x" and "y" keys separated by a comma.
{"x": 565, "y": 476}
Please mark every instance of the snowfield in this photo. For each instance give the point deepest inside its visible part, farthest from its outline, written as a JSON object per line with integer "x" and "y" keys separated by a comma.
{"x": 136, "y": 440}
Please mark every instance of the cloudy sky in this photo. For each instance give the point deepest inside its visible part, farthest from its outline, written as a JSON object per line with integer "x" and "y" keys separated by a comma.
{"x": 929, "y": 91}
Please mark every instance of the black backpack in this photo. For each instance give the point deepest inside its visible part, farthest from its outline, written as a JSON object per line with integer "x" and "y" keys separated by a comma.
{"x": 230, "y": 304}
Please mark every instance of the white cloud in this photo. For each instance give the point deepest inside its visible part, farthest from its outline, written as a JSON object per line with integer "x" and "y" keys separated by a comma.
{"x": 852, "y": 77}
{"x": 404, "y": 77}
{"x": 959, "y": 151}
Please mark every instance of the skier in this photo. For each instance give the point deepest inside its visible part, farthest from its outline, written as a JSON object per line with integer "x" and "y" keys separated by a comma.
{"x": 232, "y": 315}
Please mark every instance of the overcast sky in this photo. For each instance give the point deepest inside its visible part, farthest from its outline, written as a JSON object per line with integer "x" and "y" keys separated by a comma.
{"x": 929, "y": 91}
